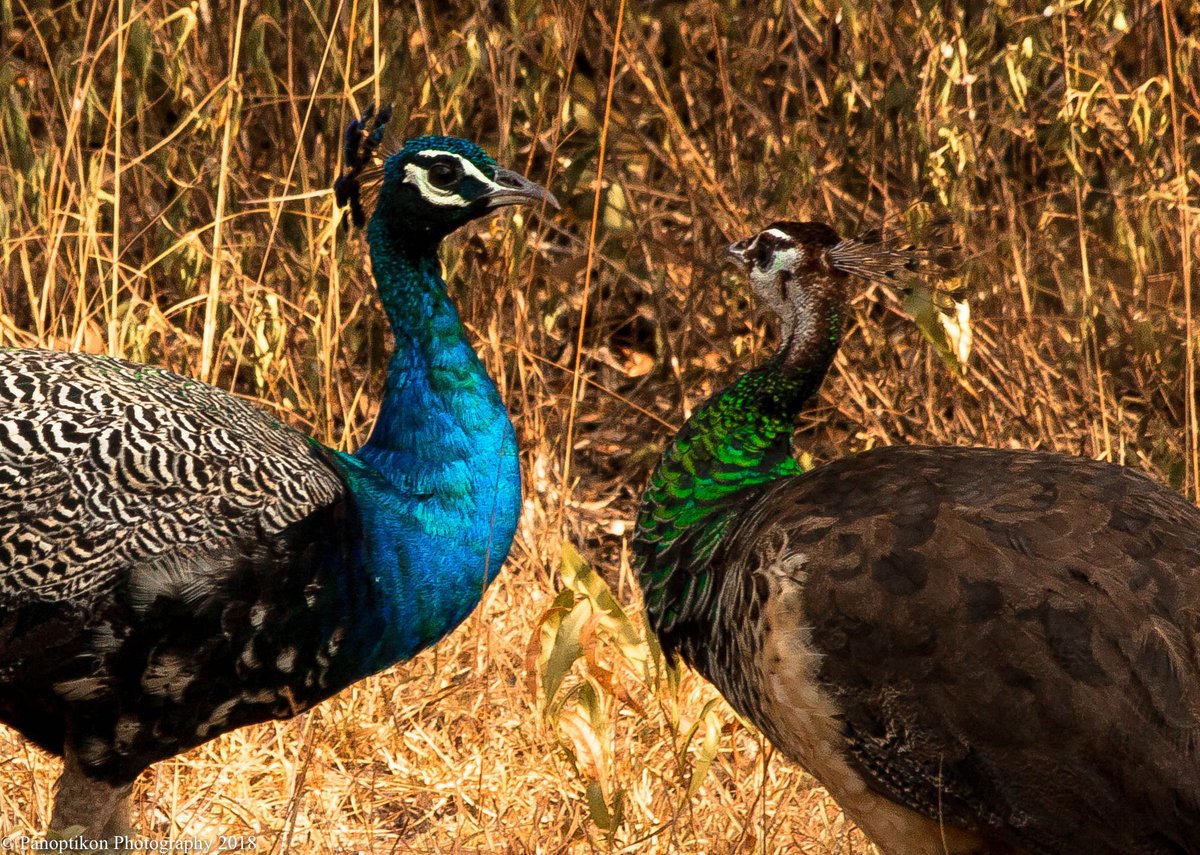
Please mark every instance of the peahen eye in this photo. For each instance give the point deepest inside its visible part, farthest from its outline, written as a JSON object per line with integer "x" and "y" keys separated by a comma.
{"x": 761, "y": 254}
{"x": 444, "y": 175}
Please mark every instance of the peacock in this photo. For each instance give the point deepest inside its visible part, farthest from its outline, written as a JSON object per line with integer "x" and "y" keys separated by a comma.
{"x": 974, "y": 650}
{"x": 176, "y": 563}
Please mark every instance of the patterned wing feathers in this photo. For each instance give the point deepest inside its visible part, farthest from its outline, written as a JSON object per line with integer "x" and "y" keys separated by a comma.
{"x": 107, "y": 465}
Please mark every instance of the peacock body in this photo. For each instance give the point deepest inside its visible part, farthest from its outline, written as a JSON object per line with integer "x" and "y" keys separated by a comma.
{"x": 175, "y": 563}
{"x": 973, "y": 650}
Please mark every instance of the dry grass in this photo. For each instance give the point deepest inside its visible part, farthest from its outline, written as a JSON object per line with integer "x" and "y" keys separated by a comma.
{"x": 1062, "y": 142}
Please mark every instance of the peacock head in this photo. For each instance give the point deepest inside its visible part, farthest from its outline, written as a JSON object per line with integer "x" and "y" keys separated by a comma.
{"x": 430, "y": 187}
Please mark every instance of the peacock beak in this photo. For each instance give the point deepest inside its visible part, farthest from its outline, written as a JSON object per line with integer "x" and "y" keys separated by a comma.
{"x": 512, "y": 188}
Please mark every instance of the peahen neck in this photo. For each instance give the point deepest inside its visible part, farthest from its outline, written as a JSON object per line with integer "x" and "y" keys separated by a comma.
{"x": 737, "y": 441}
{"x": 437, "y": 485}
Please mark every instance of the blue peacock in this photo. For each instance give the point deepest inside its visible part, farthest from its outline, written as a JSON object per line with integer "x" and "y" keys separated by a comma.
{"x": 175, "y": 563}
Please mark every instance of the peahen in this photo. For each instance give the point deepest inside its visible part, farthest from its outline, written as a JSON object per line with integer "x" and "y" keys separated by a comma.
{"x": 175, "y": 563}
{"x": 974, "y": 651}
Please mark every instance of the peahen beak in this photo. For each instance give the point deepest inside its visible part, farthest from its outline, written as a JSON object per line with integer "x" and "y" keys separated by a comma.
{"x": 736, "y": 252}
{"x": 512, "y": 188}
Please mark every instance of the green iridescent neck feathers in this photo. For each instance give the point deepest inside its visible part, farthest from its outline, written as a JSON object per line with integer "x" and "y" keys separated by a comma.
{"x": 739, "y": 440}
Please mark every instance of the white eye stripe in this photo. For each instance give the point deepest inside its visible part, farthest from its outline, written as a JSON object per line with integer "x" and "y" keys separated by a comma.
{"x": 419, "y": 177}
{"x": 771, "y": 250}
{"x": 468, "y": 168}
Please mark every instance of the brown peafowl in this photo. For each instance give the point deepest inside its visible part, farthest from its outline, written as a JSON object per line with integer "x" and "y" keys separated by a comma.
{"x": 974, "y": 651}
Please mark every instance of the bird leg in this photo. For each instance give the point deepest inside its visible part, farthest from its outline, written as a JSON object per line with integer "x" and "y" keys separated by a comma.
{"x": 87, "y": 808}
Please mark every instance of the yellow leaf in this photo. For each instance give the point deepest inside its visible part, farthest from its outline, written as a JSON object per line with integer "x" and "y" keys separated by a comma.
{"x": 708, "y": 750}
{"x": 958, "y": 332}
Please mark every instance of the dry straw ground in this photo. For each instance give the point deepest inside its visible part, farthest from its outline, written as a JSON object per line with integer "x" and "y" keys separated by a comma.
{"x": 1061, "y": 141}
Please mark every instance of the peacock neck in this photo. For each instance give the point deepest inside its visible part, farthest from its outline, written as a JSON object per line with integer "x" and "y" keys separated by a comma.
{"x": 440, "y": 409}
{"x": 739, "y": 440}
{"x": 437, "y": 484}
{"x": 432, "y": 359}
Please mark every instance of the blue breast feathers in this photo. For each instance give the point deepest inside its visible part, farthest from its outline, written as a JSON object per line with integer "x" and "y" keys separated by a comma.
{"x": 437, "y": 487}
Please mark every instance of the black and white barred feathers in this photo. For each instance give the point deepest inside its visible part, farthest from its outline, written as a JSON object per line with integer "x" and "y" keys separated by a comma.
{"x": 107, "y": 466}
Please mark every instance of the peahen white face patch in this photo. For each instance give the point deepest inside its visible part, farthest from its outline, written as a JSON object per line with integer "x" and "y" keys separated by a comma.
{"x": 774, "y": 269}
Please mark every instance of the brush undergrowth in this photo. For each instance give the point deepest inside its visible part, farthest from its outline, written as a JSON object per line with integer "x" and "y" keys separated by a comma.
{"x": 166, "y": 166}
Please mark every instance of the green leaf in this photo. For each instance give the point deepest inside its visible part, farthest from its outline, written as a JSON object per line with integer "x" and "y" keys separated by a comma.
{"x": 139, "y": 52}
{"x": 565, "y": 650}
{"x": 691, "y": 731}
{"x": 950, "y": 334}
{"x": 579, "y": 575}
{"x": 597, "y": 808}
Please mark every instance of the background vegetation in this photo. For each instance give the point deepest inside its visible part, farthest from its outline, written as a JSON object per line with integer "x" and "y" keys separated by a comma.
{"x": 146, "y": 153}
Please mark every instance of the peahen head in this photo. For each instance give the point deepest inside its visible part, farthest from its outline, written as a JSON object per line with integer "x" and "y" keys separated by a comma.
{"x": 427, "y": 189}
{"x": 801, "y": 271}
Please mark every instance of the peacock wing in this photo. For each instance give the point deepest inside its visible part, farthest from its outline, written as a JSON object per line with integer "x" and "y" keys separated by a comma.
{"x": 109, "y": 468}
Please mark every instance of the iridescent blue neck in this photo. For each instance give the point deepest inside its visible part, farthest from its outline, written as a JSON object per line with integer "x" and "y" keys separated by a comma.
{"x": 437, "y": 485}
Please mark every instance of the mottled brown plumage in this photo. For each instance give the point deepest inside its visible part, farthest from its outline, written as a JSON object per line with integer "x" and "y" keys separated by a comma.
{"x": 1011, "y": 640}
{"x": 974, "y": 650}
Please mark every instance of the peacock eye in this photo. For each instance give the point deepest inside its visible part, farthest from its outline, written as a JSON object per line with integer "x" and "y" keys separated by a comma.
{"x": 444, "y": 175}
